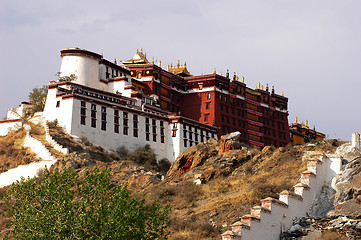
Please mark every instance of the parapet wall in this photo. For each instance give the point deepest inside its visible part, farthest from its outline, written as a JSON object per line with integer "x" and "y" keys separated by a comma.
{"x": 356, "y": 141}
{"x": 37, "y": 147}
{"x": 275, "y": 216}
{"x": 53, "y": 143}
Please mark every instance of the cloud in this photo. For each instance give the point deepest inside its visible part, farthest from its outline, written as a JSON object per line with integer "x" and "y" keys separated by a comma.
{"x": 308, "y": 49}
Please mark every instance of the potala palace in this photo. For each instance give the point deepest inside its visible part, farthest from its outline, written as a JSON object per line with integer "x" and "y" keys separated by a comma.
{"x": 138, "y": 102}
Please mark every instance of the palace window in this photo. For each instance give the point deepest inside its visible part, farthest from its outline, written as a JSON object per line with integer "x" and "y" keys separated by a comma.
{"x": 93, "y": 115}
{"x": 154, "y": 130}
{"x": 125, "y": 123}
{"x": 205, "y": 117}
{"x": 116, "y": 121}
{"x": 208, "y": 96}
{"x": 107, "y": 74}
{"x": 147, "y": 129}
{"x": 162, "y": 135}
{"x": 207, "y": 105}
{"x": 104, "y": 118}
{"x": 82, "y": 112}
{"x": 135, "y": 125}
{"x": 185, "y": 142}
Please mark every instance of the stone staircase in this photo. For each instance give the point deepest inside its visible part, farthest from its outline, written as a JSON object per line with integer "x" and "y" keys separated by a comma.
{"x": 275, "y": 216}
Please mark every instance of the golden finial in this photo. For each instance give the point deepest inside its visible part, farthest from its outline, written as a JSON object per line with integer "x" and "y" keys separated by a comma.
{"x": 214, "y": 71}
{"x": 178, "y": 63}
{"x": 145, "y": 55}
{"x": 171, "y": 65}
{"x": 306, "y": 123}
{"x": 185, "y": 63}
{"x": 160, "y": 63}
{"x": 152, "y": 60}
{"x": 296, "y": 119}
{"x": 236, "y": 78}
{"x": 282, "y": 94}
{"x": 168, "y": 67}
{"x": 115, "y": 61}
{"x": 258, "y": 85}
{"x": 267, "y": 87}
{"x": 137, "y": 50}
{"x": 242, "y": 79}
{"x": 262, "y": 87}
{"x": 141, "y": 50}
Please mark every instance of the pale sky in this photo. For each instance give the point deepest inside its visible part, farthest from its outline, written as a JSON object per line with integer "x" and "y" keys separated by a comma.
{"x": 310, "y": 49}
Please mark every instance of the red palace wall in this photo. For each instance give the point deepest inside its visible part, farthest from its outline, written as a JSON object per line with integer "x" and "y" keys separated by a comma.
{"x": 260, "y": 115}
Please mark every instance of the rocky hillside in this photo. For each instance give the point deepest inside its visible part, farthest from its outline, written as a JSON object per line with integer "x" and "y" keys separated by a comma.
{"x": 213, "y": 184}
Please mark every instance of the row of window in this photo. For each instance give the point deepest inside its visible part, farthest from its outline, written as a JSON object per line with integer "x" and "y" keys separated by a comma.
{"x": 116, "y": 122}
{"x": 113, "y": 73}
{"x": 191, "y": 142}
{"x": 233, "y": 111}
{"x": 190, "y": 129}
{"x": 239, "y": 123}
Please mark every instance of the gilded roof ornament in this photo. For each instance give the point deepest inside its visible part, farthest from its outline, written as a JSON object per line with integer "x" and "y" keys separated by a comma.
{"x": 242, "y": 79}
{"x": 178, "y": 64}
{"x": 160, "y": 63}
{"x": 139, "y": 58}
{"x": 152, "y": 60}
{"x": 214, "y": 71}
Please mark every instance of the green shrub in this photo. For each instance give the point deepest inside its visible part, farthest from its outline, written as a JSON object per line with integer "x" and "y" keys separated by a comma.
{"x": 63, "y": 206}
{"x": 144, "y": 156}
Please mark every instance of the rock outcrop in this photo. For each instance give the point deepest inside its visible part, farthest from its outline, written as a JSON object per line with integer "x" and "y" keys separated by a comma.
{"x": 347, "y": 199}
{"x": 193, "y": 157}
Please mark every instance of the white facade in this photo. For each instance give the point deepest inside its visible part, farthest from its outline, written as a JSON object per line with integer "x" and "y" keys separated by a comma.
{"x": 7, "y": 126}
{"x": 103, "y": 105}
{"x": 113, "y": 121}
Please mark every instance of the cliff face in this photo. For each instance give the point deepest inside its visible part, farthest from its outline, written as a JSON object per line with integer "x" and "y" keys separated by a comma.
{"x": 347, "y": 200}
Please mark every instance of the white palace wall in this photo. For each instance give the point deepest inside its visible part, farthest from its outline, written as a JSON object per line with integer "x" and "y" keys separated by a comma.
{"x": 95, "y": 118}
{"x": 86, "y": 69}
{"x": 274, "y": 216}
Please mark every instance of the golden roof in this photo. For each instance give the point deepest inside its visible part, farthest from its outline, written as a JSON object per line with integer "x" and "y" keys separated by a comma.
{"x": 180, "y": 70}
{"x": 138, "y": 58}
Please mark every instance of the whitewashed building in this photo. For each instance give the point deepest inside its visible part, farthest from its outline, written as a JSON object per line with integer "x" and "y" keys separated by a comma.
{"x": 104, "y": 105}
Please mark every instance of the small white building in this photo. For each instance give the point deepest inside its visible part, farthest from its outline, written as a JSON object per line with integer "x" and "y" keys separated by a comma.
{"x": 103, "y": 105}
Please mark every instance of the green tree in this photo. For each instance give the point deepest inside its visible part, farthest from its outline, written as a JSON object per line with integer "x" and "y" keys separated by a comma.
{"x": 37, "y": 99}
{"x": 70, "y": 78}
{"x": 65, "y": 206}
{"x": 144, "y": 156}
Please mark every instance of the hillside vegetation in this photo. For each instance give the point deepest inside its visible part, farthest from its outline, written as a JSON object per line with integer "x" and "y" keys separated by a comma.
{"x": 207, "y": 191}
